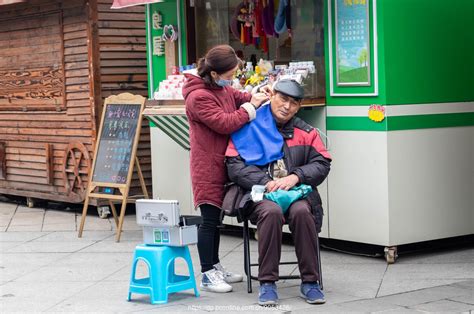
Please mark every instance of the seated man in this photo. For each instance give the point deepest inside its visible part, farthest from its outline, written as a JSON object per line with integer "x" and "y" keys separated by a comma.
{"x": 304, "y": 160}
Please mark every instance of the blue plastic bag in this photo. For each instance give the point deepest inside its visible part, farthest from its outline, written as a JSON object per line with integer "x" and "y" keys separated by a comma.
{"x": 285, "y": 198}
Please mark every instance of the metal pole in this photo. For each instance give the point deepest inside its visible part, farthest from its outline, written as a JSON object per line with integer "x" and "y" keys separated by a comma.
{"x": 150, "y": 49}
{"x": 180, "y": 54}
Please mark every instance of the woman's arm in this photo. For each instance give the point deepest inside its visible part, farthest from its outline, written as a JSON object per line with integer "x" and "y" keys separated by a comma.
{"x": 205, "y": 109}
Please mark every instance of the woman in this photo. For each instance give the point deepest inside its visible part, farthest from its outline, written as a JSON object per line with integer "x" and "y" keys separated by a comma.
{"x": 214, "y": 110}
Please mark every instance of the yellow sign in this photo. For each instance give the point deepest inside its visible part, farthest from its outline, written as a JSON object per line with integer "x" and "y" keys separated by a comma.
{"x": 376, "y": 113}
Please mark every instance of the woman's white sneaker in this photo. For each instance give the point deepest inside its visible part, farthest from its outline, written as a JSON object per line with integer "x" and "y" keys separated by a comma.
{"x": 213, "y": 281}
{"x": 229, "y": 277}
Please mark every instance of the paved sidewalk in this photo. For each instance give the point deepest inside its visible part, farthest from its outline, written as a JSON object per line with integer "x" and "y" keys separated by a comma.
{"x": 44, "y": 267}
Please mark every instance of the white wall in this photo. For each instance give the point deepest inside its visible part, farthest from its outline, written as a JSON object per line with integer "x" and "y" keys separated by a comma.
{"x": 358, "y": 187}
{"x": 170, "y": 169}
{"x": 431, "y": 184}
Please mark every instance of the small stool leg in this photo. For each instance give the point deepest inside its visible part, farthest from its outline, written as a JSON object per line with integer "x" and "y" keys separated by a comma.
{"x": 159, "y": 278}
{"x": 132, "y": 276}
{"x": 189, "y": 261}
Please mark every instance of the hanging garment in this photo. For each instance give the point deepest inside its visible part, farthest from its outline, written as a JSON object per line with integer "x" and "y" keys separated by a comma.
{"x": 268, "y": 19}
{"x": 283, "y": 17}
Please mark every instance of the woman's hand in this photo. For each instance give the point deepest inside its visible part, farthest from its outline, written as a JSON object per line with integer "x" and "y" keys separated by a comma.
{"x": 267, "y": 90}
{"x": 258, "y": 99}
{"x": 285, "y": 183}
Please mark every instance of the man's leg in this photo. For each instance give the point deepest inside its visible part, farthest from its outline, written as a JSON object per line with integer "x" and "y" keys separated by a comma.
{"x": 303, "y": 228}
{"x": 268, "y": 217}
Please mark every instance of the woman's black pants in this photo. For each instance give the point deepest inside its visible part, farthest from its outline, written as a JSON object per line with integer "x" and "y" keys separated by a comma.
{"x": 209, "y": 236}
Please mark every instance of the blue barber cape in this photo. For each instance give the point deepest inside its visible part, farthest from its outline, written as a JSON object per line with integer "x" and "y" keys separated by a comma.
{"x": 259, "y": 142}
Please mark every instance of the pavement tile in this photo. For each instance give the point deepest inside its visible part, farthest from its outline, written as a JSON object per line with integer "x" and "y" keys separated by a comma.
{"x": 5, "y": 246}
{"x": 330, "y": 257}
{"x": 460, "y": 270}
{"x": 354, "y": 272}
{"x": 25, "y": 209}
{"x": 465, "y": 284}
{"x": 25, "y": 236}
{"x": 112, "y": 247}
{"x": 51, "y": 247}
{"x": 362, "y": 289}
{"x": 372, "y": 305}
{"x": 439, "y": 257}
{"x": 323, "y": 308}
{"x": 127, "y": 235}
{"x": 95, "y": 223}
{"x": 80, "y": 273}
{"x": 59, "y": 227}
{"x": 393, "y": 286}
{"x": 57, "y": 221}
{"x": 71, "y": 236}
{"x": 98, "y": 297}
{"x": 25, "y": 297}
{"x": 467, "y": 298}
{"x": 80, "y": 259}
{"x": 25, "y": 228}
{"x": 15, "y": 265}
{"x": 7, "y": 208}
{"x": 6, "y": 216}
{"x": 445, "y": 306}
{"x": 426, "y": 295}
{"x": 400, "y": 310}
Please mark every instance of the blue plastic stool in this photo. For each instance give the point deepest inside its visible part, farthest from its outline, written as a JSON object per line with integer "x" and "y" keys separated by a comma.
{"x": 162, "y": 280}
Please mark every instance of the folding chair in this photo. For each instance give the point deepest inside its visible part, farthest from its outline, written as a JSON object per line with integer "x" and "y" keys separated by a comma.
{"x": 248, "y": 266}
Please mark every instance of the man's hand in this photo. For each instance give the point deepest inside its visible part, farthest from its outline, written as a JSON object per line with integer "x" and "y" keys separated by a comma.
{"x": 285, "y": 183}
{"x": 258, "y": 99}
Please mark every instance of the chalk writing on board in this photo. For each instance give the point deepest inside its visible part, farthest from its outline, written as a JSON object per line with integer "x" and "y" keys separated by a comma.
{"x": 116, "y": 143}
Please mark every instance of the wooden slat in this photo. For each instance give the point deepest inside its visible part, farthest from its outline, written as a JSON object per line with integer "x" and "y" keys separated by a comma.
{"x": 44, "y": 131}
{"x": 122, "y": 40}
{"x": 3, "y": 165}
{"x": 8, "y": 25}
{"x": 122, "y": 32}
{"x": 75, "y": 50}
{"x": 47, "y": 138}
{"x": 22, "y": 41}
{"x": 122, "y": 47}
{"x": 42, "y": 125}
{"x": 77, "y": 73}
{"x": 78, "y": 95}
{"x": 75, "y": 42}
{"x": 74, "y": 28}
{"x": 39, "y": 116}
{"x": 123, "y": 70}
{"x": 121, "y": 16}
{"x": 76, "y": 88}
{"x": 121, "y": 24}
{"x": 75, "y": 35}
{"x": 76, "y": 65}
{"x": 124, "y": 78}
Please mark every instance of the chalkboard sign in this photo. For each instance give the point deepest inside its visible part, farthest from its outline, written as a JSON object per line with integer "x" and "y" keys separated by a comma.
{"x": 114, "y": 153}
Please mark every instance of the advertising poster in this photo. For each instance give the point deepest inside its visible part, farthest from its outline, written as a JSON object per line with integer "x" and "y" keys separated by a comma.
{"x": 352, "y": 42}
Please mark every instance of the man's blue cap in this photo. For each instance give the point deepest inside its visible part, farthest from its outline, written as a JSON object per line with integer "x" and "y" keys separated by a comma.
{"x": 290, "y": 88}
